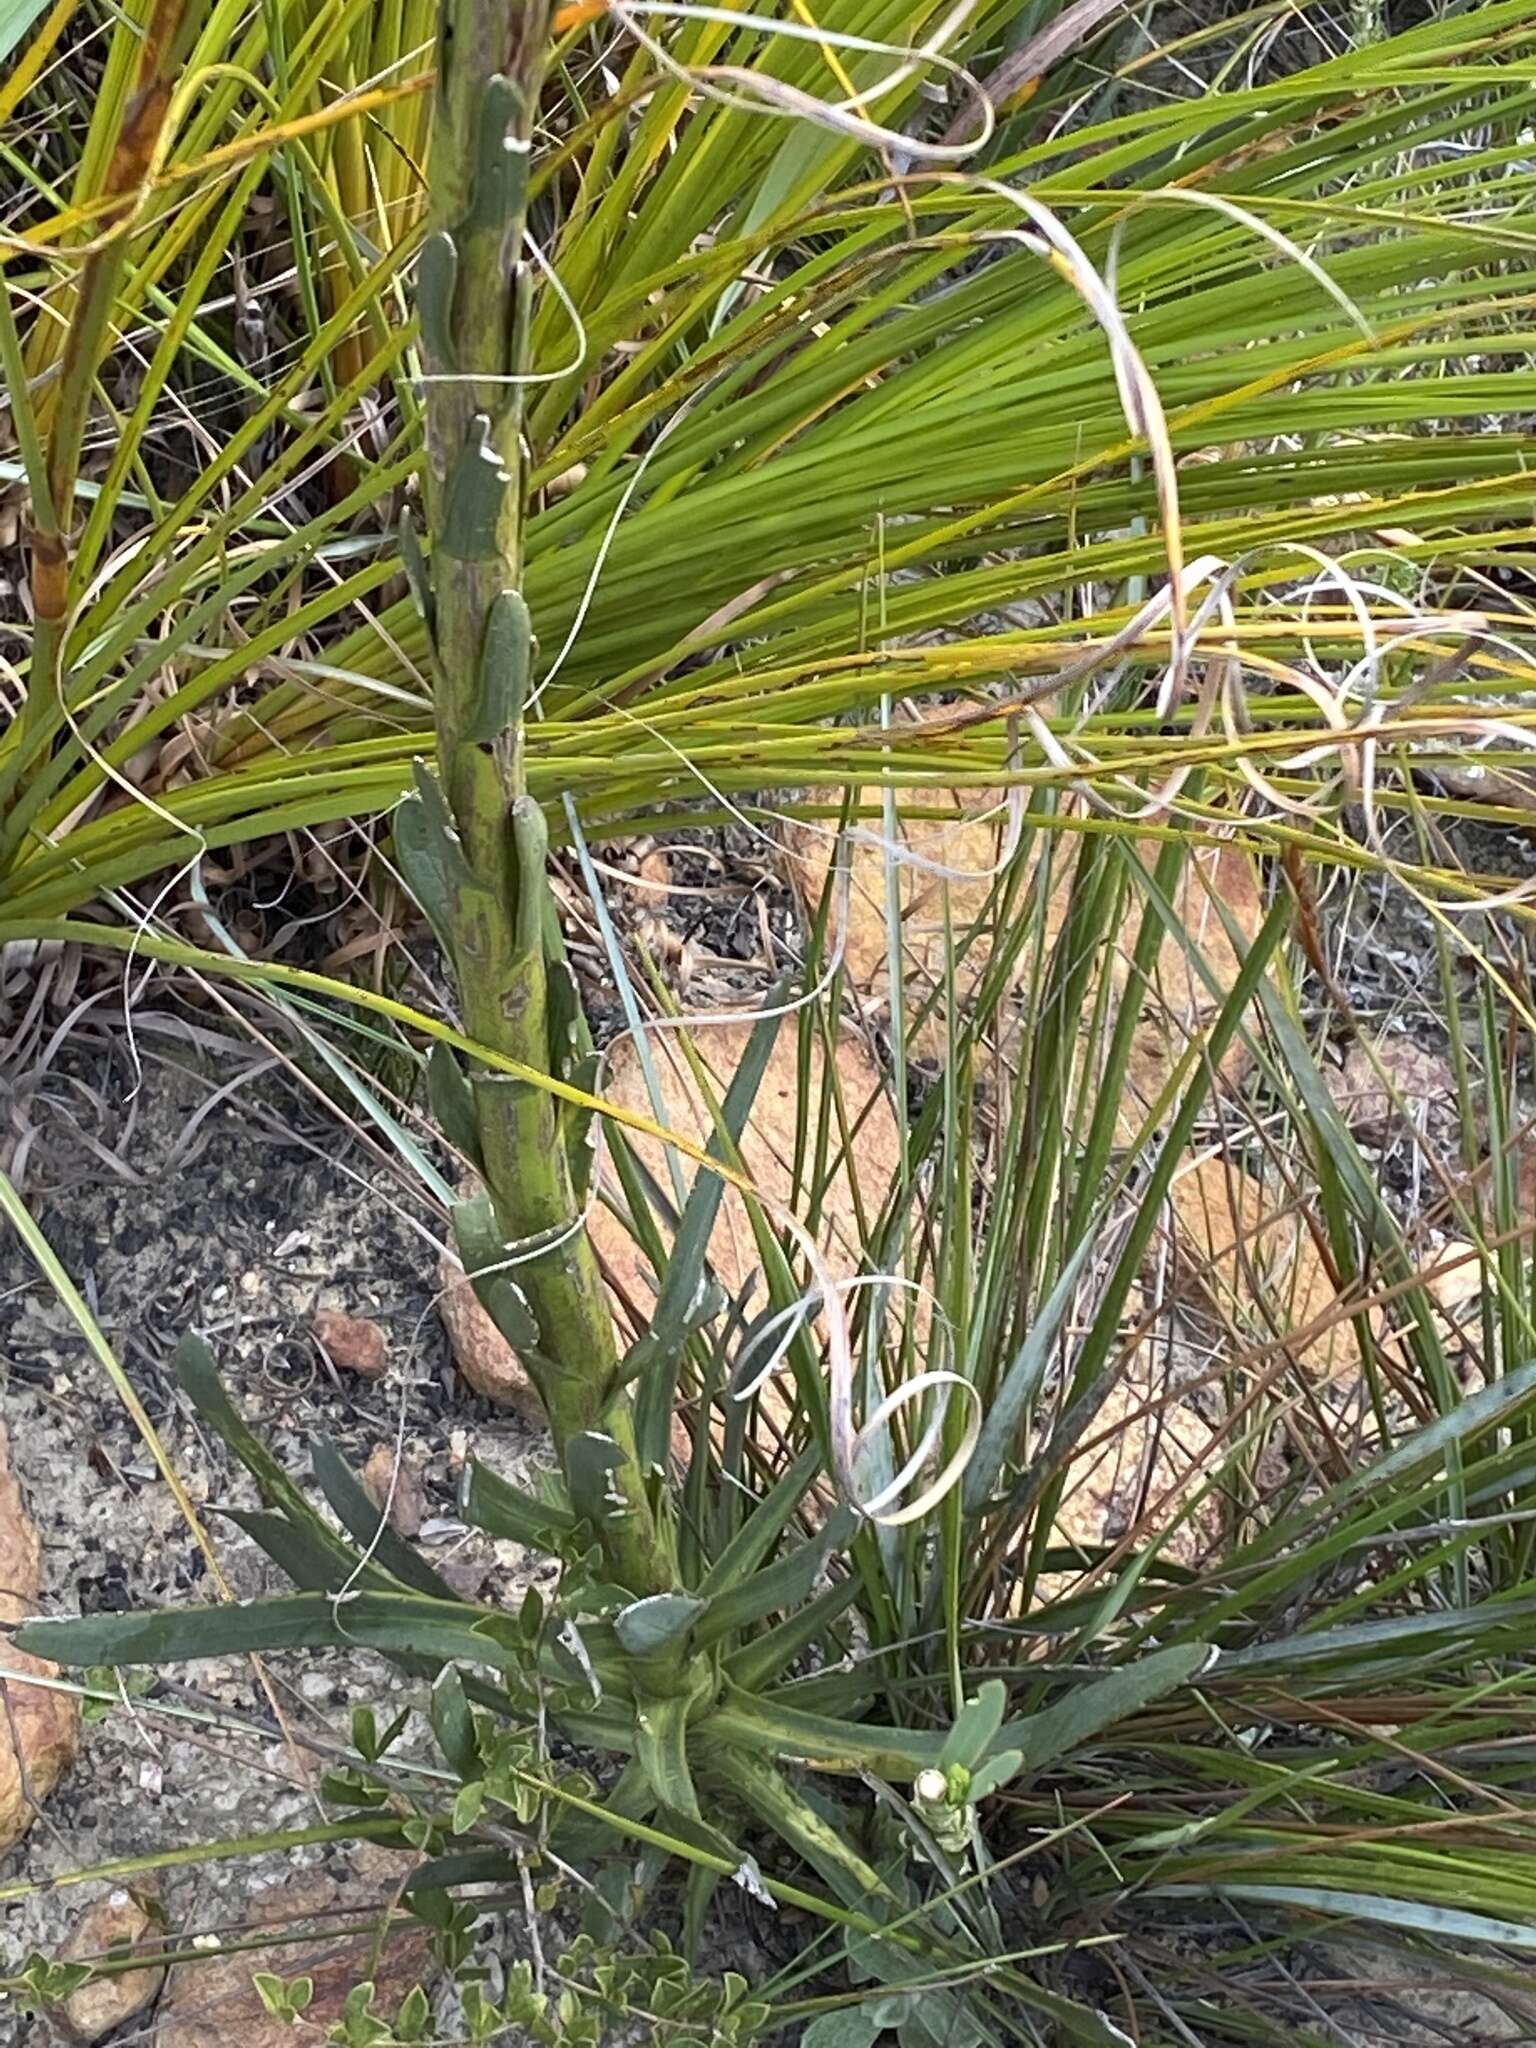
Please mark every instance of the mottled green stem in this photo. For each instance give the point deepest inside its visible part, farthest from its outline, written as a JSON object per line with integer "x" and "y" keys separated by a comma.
{"x": 493, "y": 901}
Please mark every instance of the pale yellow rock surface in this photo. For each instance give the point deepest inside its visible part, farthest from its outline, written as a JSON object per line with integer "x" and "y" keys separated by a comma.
{"x": 1258, "y": 1267}
{"x": 111, "y": 1924}
{"x": 1143, "y": 1460}
{"x": 39, "y": 1729}
{"x": 484, "y": 1358}
{"x": 213, "y": 2002}
{"x": 967, "y": 834}
{"x": 767, "y": 1148}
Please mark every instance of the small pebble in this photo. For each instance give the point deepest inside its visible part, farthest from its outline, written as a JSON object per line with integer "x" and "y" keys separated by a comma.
{"x": 118, "y": 1921}
{"x": 352, "y": 1343}
{"x": 486, "y": 1361}
{"x": 401, "y": 1489}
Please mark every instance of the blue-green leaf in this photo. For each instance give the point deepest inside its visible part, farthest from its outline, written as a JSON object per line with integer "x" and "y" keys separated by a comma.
{"x": 430, "y": 856}
{"x": 687, "y": 1297}
{"x": 392, "y": 1622}
{"x": 313, "y": 1566}
{"x": 760, "y": 1661}
{"x": 591, "y": 1459}
{"x": 994, "y": 1774}
{"x": 483, "y": 1252}
{"x": 1445, "y": 1923}
{"x": 453, "y": 1723}
{"x": 199, "y": 1378}
{"x": 851, "y": 2026}
{"x": 1021, "y": 1382}
{"x": 661, "y": 1748}
{"x": 975, "y": 1727}
{"x": 766, "y": 1523}
{"x": 656, "y": 1622}
{"x": 504, "y": 663}
{"x": 366, "y": 1522}
{"x": 502, "y": 1509}
{"x": 453, "y": 1103}
{"x": 16, "y": 17}
{"x": 1088, "y": 1709}
{"x": 780, "y": 1587}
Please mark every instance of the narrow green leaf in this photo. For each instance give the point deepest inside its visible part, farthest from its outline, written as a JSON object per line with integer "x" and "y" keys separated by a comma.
{"x": 502, "y": 1509}
{"x": 431, "y": 860}
{"x": 591, "y": 1459}
{"x": 504, "y": 666}
{"x": 661, "y": 1749}
{"x": 1505, "y": 1622}
{"x": 768, "y": 1727}
{"x": 994, "y": 1774}
{"x": 200, "y": 1379}
{"x": 686, "y": 1297}
{"x": 482, "y": 1250}
{"x": 656, "y": 1622}
{"x": 453, "y": 1104}
{"x": 767, "y": 1522}
{"x": 1412, "y": 1916}
{"x": 1089, "y": 1709}
{"x": 698, "y": 1896}
{"x": 1475, "y": 1412}
{"x": 582, "y": 1836}
{"x": 854, "y": 2026}
{"x": 1021, "y": 1382}
{"x": 768, "y": 1656}
{"x": 463, "y": 1866}
{"x": 364, "y": 1520}
{"x": 313, "y": 1566}
{"x": 392, "y": 1622}
{"x": 453, "y": 1723}
{"x": 975, "y": 1727}
{"x": 778, "y": 1587}
{"x": 417, "y": 573}
{"x": 797, "y": 1818}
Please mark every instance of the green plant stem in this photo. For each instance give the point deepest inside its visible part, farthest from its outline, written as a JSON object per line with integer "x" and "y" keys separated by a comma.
{"x": 474, "y": 295}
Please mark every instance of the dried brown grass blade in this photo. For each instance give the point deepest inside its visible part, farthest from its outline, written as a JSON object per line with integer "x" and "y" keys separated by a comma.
{"x": 1029, "y": 64}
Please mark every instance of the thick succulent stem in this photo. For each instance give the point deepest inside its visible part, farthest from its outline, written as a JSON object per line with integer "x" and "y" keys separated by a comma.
{"x": 484, "y": 855}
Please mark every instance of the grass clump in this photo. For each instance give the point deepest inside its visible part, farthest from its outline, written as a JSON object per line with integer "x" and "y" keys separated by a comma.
{"x": 1180, "y": 560}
